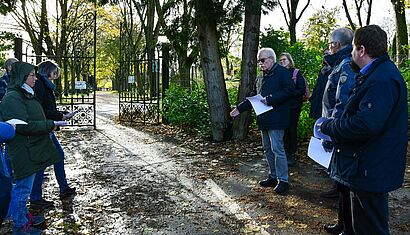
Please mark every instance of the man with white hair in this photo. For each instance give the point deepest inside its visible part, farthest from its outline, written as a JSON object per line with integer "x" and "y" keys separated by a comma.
{"x": 276, "y": 87}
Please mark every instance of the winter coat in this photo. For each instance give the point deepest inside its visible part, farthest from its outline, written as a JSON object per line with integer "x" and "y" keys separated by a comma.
{"x": 339, "y": 83}
{"x": 277, "y": 87}
{"x": 47, "y": 99}
{"x": 4, "y": 80}
{"x": 317, "y": 93}
{"x": 31, "y": 149}
{"x": 370, "y": 137}
{"x": 300, "y": 88}
{"x": 6, "y": 132}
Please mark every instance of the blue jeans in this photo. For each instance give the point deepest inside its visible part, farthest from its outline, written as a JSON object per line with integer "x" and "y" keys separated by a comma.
{"x": 19, "y": 196}
{"x": 5, "y": 184}
{"x": 272, "y": 141}
{"x": 37, "y": 193}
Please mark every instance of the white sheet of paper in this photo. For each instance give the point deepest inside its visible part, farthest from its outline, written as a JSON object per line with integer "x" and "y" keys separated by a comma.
{"x": 257, "y": 105}
{"x": 318, "y": 153}
{"x": 16, "y": 122}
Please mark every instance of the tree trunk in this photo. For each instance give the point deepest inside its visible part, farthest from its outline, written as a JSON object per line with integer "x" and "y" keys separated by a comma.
{"x": 217, "y": 95}
{"x": 402, "y": 35}
{"x": 248, "y": 64}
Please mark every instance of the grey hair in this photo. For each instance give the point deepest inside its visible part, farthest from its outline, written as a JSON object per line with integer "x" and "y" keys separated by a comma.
{"x": 46, "y": 67}
{"x": 289, "y": 57}
{"x": 268, "y": 52}
{"x": 343, "y": 35}
{"x": 9, "y": 62}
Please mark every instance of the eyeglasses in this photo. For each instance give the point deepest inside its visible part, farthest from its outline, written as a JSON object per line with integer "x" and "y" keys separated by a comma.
{"x": 284, "y": 59}
{"x": 332, "y": 43}
{"x": 32, "y": 75}
{"x": 262, "y": 60}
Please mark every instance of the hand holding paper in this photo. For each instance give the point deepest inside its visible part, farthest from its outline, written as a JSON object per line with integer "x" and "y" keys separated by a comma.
{"x": 60, "y": 123}
{"x": 317, "y": 132}
{"x": 258, "y": 104}
{"x": 70, "y": 115}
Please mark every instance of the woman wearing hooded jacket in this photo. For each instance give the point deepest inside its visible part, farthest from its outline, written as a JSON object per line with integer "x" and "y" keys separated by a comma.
{"x": 44, "y": 89}
{"x": 31, "y": 149}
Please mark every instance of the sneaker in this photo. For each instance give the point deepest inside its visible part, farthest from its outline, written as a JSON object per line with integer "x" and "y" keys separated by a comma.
{"x": 68, "y": 192}
{"x": 43, "y": 204}
{"x": 27, "y": 229}
{"x": 282, "y": 187}
{"x": 333, "y": 228}
{"x": 35, "y": 220}
{"x": 332, "y": 193}
{"x": 268, "y": 183}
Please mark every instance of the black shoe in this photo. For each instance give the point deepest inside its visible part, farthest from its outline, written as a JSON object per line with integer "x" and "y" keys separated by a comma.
{"x": 43, "y": 204}
{"x": 332, "y": 193}
{"x": 268, "y": 183}
{"x": 282, "y": 187}
{"x": 68, "y": 192}
{"x": 333, "y": 228}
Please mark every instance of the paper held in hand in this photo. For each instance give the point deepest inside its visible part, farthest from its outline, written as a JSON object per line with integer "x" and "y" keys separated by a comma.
{"x": 317, "y": 153}
{"x": 16, "y": 122}
{"x": 257, "y": 105}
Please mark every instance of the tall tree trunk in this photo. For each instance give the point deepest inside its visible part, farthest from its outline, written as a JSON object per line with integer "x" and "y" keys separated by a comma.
{"x": 43, "y": 18}
{"x": 248, "y": 64}
{"x": 150, "y": 43}
{"x": 402, "y": 35}
{"x": 217, "y": 95}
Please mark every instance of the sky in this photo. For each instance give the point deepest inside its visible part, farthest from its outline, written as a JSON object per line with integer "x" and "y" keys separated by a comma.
{"x": 382, "y": 14}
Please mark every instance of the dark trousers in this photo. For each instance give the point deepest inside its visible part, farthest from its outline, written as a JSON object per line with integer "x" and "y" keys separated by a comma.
{"x": 291, "y": 133}
{"x": 370, "y": 212}
{"x": 345, "y": 212}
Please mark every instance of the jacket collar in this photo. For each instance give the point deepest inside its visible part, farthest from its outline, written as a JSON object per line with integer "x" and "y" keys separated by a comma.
{"x": 336, "y": 58}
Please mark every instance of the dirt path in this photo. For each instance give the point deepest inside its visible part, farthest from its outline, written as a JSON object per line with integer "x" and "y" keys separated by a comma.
{"x": 159, "y": 180}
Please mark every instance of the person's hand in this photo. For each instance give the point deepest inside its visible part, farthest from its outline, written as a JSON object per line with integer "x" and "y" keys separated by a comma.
{"x": 263, "y": 100}
{"x": 60, "y": 123}
{"x": 69, "y": 115}
{"x": 234, "y": 112}
{"x": 327, "y": 145}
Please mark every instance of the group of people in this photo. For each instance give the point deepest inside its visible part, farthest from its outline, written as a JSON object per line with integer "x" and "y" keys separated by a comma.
{"x": 361, "y": 100}
{"x": 29, "y": 144}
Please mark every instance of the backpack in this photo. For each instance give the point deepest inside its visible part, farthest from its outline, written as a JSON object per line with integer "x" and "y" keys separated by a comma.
{"x": 306, "y": 95}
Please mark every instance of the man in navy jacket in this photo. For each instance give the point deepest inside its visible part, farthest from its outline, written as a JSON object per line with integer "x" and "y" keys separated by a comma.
{"x": 277, "y": 87}
{"x": 370, "y": 136}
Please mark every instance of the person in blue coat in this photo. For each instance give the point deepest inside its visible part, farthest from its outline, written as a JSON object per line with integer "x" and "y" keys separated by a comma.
{"x": 370, "y": 137}
{"x": 340, "y": 81}
{"x": 7, "y": 132}
{"x": 276, "y": 87}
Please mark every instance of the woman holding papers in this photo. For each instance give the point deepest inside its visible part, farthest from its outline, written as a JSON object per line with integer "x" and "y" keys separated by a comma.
{"x": 31, "y": 149}
{"x": 291, "y": 133}
{"x": 276, "y": 89}
{"x": 44, "y": 89}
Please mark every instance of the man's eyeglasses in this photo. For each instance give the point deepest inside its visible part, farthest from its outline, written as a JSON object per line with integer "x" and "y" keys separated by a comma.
{"x": 262, "y": 60}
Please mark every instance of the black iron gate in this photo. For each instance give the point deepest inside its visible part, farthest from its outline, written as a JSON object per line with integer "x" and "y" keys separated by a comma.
{"x": 139, "y": 87}
{"x": 77, "y": 85}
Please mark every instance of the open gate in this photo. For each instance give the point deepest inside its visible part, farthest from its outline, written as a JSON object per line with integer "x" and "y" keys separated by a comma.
{"x": 139, "y": 87}
{"x": 77, "y": 85}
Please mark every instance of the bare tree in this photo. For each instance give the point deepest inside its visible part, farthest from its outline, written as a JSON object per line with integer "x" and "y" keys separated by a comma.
{"x": 360, "y": 7}
{"x": 291, "y": 17}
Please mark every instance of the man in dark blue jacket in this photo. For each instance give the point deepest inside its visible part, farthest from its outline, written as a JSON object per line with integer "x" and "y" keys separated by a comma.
{"x": 276, "y": 87}
{"x": 370, "y": 136}
{"x": 337, "y": 90}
